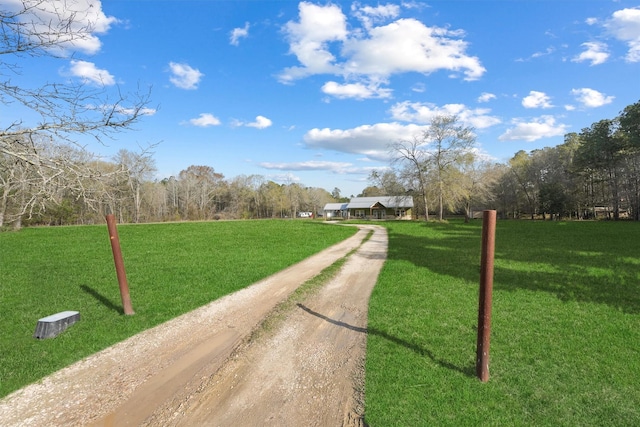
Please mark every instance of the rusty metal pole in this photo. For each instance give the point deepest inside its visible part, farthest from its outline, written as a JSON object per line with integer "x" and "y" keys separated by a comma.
{"x": 117, "y": 258}
{"x": 486, "y": 294}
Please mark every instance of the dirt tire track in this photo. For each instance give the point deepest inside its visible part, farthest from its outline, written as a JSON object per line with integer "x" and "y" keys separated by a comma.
{"x": 308, "y": 372}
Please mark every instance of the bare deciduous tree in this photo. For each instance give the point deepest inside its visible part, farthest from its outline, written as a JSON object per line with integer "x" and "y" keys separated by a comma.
{"x": 451, "y": 144}
{"x": 388, "y": 182}
{"x": 414, "y": 153}
{"x": 477, "y": 177}
{"x": 136, "y": 168}
{"x": 66, "y": 111}
{"x": 437, "y": 152}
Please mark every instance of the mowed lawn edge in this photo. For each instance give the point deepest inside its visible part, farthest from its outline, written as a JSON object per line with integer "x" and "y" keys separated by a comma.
{"x": 565, "y": 342}
{"x": 171, "y": 268}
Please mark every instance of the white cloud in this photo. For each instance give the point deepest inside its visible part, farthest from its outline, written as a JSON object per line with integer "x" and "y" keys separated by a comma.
{"x": 369, "y": 15}
{"x": 541, "y": 127}
{"x": 71, "y": 26}
{"x": 407, "y": 45}
{"x": 142, "y": 111}
{"x": 536, "y": 99}
{"x": 89, "y": 73}
{"x": 373, "y": 141}
{"x": 238, "y": 33}
{"x": 285, "y": 178}
{"x": 419, "y": 87}
{"x": 309, "y": 38}
{"x": 356, "y": 90}
{"x": 205, "y": 120}
{"x": 546, "y": 52}
{"x": 423, "y": 113}
{"x": 261, "y": 122}
{"x": 386, "y": 11}
{"x": 323, "y": 44}
{"x": 312, "y": 165}
{"x": 596, "y": 52}
{"x": 486, "y": 97}
{"x": 184, "y": 76}
{"x": 625, "y": 26}
{"x": 418, "y": 5}
{"x": 591, "y": 98}
{"x": 369, "y": 140}
{"x": 119, "y": 109}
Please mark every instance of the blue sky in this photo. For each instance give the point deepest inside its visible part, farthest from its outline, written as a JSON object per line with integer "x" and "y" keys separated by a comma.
{"x": 313, "y": 92}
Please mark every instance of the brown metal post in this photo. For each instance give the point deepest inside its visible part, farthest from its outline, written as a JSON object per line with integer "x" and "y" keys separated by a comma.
{"x": 486, "y": 294}
{"x": 117, "y": 258}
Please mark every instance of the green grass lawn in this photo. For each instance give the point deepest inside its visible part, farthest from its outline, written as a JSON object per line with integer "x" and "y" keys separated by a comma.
{"x": 565, "y": 343}
{"x": 171, "y": 269}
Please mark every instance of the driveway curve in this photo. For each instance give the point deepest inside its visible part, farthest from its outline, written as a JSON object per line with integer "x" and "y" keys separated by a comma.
{"x": 200, "y": 369}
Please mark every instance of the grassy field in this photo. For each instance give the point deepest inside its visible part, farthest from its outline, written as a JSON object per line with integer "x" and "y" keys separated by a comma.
{"x": 565, "y": 343}
{"x": 171, "y": 269}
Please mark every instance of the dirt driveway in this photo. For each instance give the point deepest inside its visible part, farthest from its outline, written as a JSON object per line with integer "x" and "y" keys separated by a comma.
{"x": 200, "y": 369}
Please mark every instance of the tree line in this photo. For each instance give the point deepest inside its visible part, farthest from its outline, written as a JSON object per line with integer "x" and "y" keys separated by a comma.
{"x": 126, "y": 187}
{"x": 48, "y": 177}
{"x": 593, "y": 174}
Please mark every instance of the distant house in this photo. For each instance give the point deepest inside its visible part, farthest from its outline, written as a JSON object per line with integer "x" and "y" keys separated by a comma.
{"x": 335, "y": 210}
{"x": 383, "y": 207}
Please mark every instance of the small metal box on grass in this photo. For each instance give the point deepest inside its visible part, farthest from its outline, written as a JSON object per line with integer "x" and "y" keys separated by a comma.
{"x": 54, "y": 325}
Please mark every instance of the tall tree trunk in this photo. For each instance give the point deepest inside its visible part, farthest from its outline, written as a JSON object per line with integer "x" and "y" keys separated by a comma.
{"x": 3, "y": 205}
{"x": 17, "y": 224}
{"x": 615, "y": 194}
{"x": 467, "y": 211}
{"x": 440, "y": 204}
{"x": 424, "y": 199}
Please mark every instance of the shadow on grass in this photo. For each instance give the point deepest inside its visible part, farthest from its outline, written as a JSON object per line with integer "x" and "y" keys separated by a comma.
{"x": 575, "y": 261}
{"x": 468, "y": 371}
{"x": 102, "y": 299}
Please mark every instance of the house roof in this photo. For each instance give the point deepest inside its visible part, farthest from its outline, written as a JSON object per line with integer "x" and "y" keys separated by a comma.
{"x": 335, "y": 206}
{"x": 362, "y": 205}
{"x": 386, "y": 201}
{"x": 391, "y": 202}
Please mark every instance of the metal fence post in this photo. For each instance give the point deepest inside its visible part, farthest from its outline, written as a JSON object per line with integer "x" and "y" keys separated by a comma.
{"x": 117, "y": 258}
{"x": 486, "y": 294}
